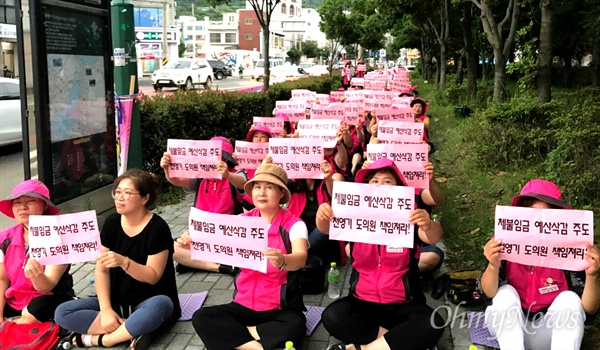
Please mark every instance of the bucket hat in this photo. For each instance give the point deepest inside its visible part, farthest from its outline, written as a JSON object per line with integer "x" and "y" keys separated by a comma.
{"x": 543, "y": 190}
{"x": 271, "y": 173}
{"x": 380, "y": 164}
{"x": 253, "y": 131}
{"x": 226, "y": 149}
{"x": 32, "y": 188}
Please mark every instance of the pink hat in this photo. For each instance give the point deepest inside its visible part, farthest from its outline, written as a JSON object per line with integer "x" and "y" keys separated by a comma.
{"x": 380, "y": 164}
{"x": 283, "y": 116}
{"x": 226, "y": 149}
{"x": 261, "y": 128}
{"x": 32, "y": 188}
{"x": 543, "y": 190}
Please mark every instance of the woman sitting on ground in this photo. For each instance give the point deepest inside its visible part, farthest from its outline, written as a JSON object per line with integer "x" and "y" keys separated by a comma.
{"x": 538, "y": 307}
{"x": 135, "y": 277}
{"x": 386, "y": 307}
{"x": 27, "y": 288}
{"x": 266, "y": 310}
{"x": 211, "y": 195}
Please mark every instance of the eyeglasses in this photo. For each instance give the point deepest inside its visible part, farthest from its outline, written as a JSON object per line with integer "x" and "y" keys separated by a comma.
{"x": 124, "y": 194}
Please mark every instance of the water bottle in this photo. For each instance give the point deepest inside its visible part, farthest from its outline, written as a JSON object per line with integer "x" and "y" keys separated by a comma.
{"x": 93, "y": 286}
{"x": 289, "y": 345}
{"x": 472, "y": 347}
{"x": 333, "y": 277}
{"x": 435, "y": 218}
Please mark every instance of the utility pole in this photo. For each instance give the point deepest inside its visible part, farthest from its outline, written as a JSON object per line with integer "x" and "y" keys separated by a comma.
{"x": 164, "y": 37}
{"x": 125, "y": 73}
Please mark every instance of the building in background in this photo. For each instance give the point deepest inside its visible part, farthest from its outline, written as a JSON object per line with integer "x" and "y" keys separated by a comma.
{"x": 8, "y": 39}
{"x": 311, "y": 28}
{"x": 148, "y": 19}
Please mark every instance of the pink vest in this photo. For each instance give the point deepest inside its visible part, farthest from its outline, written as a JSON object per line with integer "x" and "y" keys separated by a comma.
{"x": 276, "y": 289}
{"x": 246, "y": 197}
{"x": 21, "y": 290}
{"x": 425, "y": 132}
{"x": 214, "y": 196}
{"x": 298, "y": 200}
{"x": 528, "y": 280}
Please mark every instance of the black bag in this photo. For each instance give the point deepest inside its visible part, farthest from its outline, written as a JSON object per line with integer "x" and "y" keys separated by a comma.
{"x": 312, "y": 276}
{"x": 459, "y": 286}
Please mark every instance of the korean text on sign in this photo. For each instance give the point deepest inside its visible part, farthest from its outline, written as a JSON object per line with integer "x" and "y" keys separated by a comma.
{"x": 194, "y": 159}
{"x": 331, "y": 111}
{"x": 372, "y": 214}
{"x": 301, "y": 158}
{"x": 229, "y": 239}
{"x": 321, "y": 129}
{"x": 545, "y": 237}
{"x": 250, "y": 155}
{"x": 64, "y": 239}
{"x": 400, "y": 132}
{"x": 395, "y": 114}
{"x": 409, "y": 158}
{"x": 274, "y": 124}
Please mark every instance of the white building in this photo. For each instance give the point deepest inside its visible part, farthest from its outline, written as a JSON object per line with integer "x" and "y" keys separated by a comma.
{"x": 311, "y": 29}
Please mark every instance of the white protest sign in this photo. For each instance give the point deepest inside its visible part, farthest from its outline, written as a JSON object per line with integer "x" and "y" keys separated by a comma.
{"x": 194, "y": 159}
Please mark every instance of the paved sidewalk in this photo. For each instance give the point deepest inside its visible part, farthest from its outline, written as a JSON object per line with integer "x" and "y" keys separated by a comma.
{"x": 182, "y": 335}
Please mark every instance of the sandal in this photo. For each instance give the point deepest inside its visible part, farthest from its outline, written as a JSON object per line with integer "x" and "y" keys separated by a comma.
{"x": 141, "y": 342}
{"x": 342, "y": 346}
{"x": 85, "y": 340}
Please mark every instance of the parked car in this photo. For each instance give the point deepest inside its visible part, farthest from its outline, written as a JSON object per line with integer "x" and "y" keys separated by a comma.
{"x": 185, "y": 73}
{"x": 10, "y": 112}
{"x": 282, "y": 74}
{"x": 317, "y": 70}
{"x": 220, "y": 69}
{"x": 259, "y": 69}
{"x": 306, "y": 65}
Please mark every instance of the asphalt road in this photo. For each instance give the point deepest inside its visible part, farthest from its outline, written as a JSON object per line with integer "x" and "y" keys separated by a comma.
{"x": 230, "y": 83}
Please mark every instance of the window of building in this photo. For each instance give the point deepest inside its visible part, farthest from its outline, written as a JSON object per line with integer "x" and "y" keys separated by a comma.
{"x": 308, "y": 24}
{"x": 7, "y": 12}
{"x": 291, "y": 10}
{"x": 283, "y": 9}
{"x": 147, "y": 17}
{"x": 200, "y": 37}
{"x": 230, "y": 38}
{"x": 190, "y": 28}
{"x": 215, "y": 37}
{"x": 248, "y": 20}
{"x": 248, "y": 36}
{"x": 231, "y": 19}
{"x": 190, "y": 37}
{"x": 199, "y": 28}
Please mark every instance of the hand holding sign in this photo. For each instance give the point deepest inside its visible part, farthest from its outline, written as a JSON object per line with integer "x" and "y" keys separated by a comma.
{"x": 33, "y": 269}
{"x": 491, "y": 251}
{"x": 593, "y": 257}
{"x": 275, "y": 256}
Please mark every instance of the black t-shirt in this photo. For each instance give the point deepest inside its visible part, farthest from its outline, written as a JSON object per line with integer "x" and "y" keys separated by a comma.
{"x": 309, "y": 214}
{"x": 153, "y": 239}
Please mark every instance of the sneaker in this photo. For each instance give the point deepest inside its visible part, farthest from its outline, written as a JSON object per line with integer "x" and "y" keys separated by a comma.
{"x": 229, "y": 270}
{"x": 179, "y": 268}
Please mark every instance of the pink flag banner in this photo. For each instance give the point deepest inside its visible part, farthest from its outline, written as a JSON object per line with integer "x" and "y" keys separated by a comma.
{"x": 337, "y": 95}
{"x": 372, "y": 214}
{"x": 322, "y": 129}
{"x": 395, "y": 114}
{"x": 275, "y": 124}
{"x": 554, "y": 238}
{"x": 352, "y": 112}
{"x": 250, "y": 155}
{"x": 300, "y": 158}
{"x": 409, "y": 158}
{"x": 64, "y": 239}
{"x": 284, "y": 106}
{"x": 229, "y": 239}
{"x": 400, "y": 132}
{"x": 123, "y": 130}
{"x": 194, "y": 159}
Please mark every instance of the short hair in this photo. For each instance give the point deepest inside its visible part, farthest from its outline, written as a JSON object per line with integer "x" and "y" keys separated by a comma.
{"x": 145, "y": 183}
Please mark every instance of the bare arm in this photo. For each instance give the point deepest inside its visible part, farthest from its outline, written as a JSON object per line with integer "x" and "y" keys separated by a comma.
{"x": 297, "y": 259}
{"x": 102, "y": 284}
{"x": 433, "y": 195}
{"x": 44, "y": 281}
{"x": 149, "y": 273}
{"x": 4, "y": 283}
{"x": 237, "y": 180}
{"x": 490, "y": 277}
{"x": 324, "y": 217}
{"x": 590, "y": 299}
{"x": 341, "y": 158}
{"x": 429, "y": 231}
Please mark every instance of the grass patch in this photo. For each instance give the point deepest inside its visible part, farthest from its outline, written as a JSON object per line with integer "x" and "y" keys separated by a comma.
{"x": 472, "y": 191}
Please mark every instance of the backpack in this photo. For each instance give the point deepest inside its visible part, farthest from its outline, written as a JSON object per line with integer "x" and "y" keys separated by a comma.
{"x": 39, "y": 336}
{"x": 459, "y": 286}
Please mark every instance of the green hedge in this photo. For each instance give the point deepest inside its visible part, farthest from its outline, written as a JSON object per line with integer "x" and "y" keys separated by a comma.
{"x": 200, "y": 115}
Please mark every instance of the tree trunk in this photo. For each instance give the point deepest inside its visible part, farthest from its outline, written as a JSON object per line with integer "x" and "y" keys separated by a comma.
{"x": 500, "y": 93}
{"x": 470, "y": 54}
{"x": 424, "y": 71}
{"x": 544, "y": 79}
{"x": 442, "y": 66}
{"x": 266, "y": 45}
{"x": 596, "y": 63}
{"x": 459, "y": 71}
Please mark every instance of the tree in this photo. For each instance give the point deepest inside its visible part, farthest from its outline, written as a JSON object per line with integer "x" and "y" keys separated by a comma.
{"x": 263, "y": 10}
{"x": 294, "y": 54}
{"x": 469, "y": 48}
{"x": 338, "y": 29}
{"x": 544, "y": 78}
{"x": 181, "y": 48}
{"x": 310, "y": 48}
{"x": 502, "y": 43}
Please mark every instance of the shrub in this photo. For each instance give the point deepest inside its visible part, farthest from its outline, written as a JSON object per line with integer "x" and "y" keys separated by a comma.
{"x": 199, "y": 115}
